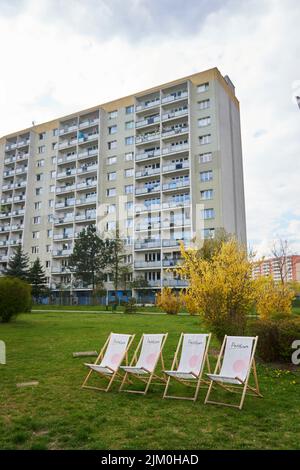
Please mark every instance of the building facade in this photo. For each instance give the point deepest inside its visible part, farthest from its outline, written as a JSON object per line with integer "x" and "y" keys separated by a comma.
{"x": 166, "y": 161}
{"x": 283, "y": 269}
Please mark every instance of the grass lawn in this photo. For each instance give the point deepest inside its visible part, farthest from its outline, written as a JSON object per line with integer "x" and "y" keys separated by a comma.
{"x": 57, "y": 414}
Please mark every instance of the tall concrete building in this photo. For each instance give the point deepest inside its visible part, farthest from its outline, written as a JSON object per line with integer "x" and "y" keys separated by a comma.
{"x": 167, "y": 161}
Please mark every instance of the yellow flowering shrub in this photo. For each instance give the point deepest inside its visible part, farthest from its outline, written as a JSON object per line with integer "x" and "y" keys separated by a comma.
{"x": 273, "y": 299}
{"x": 168, "y": 301}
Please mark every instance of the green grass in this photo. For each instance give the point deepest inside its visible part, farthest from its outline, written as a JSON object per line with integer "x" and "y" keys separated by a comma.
{"x": 57, "y": 414}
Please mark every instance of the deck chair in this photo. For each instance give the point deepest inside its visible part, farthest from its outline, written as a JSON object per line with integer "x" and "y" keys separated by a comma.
{"x": 109, "y": 360}
{"x": 194, "y": 349}
{"x": 233, "y": 375}
{"x": 150, "y": 352}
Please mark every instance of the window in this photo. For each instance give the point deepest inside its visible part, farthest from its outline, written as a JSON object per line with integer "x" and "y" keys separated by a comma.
{"x": 206, "y": 194}
{"x": 55, "y": 132}
{"x": 37, "y": 205}
{"x": 111, "y": 192}
{"x": 129, "y": 109}
{"x": 51, "y": 203}
{"x": 111, "y": 225}
{"x": 111, "y": 208}
{"x": 52, "y": 188}
{"x": 36, "y": 235}
{"x": 49, "y": 233}
{"x": 40, "y": 163}
{"x": 208, "y": 233}
{"x": 206, "y": 175}
{"x": 50, "y": 218}
{"x": 36, "y": 220}
{"x": 111, "y": 176}
{"x": 203, "y": 87}
{"x": 128, "y": 206}
{"x": 39, "y": 177}
{"x": 129, "y": 172}
{"x": 113, "y": 114}
{"x": 54, "y": 145}
{"x": 112, "y": 144}
{"x": 129, "y": 125}
{"x": 205, "y": 139}
{"x": 208, "y": 214}
{"x": 38, "y": 191}
{"x": 42, "y": 135}
{"x": 128, "y": 156}
{"x": 129, "y": 223}
{"x": 204, "y": 104}
{"x": 112, "y": 129}
{"x": 111, "y": 160}
{"x": 205, "y": 157}
{"x": 129, "y": 189}
{"x": 47, "y": 264}
{"x": 48, "y": 248}
{"x": 52, "y": 174}
{"x": 34, "y": 249}
{"x": 203, "y": 122}
{"x": 129, "y": 140}
{"x": 42, "y": 149}
{"x": 53, "y": 160}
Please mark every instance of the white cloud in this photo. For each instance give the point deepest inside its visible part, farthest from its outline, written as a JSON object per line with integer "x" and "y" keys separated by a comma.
{"x": 60, "y": 56}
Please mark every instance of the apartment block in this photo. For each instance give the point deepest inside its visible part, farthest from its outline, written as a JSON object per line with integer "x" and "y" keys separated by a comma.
{"x": 165, "y": 163}
{"x": 286, "y": 268}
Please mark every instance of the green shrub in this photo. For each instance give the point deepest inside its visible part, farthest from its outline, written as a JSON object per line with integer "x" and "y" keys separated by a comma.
{"x": 15, "y": 297}
{"x": 130, "y": 306}
{"x": 275, "y": 338}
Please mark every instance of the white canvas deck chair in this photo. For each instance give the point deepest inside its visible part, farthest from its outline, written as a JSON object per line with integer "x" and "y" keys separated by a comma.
{"x": 143, "y": 368}
{"x": 234, "y": 373}
{"x": 189, "y": 370}
{"x": 109, "y": 360}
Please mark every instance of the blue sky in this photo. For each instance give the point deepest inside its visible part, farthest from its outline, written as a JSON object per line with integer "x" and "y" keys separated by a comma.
{"x": 59, "y": 56}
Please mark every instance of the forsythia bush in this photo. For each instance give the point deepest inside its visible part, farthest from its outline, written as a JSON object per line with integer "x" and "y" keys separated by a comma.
{"x": 168, "y": 301}
{"x": 221, "y": 289}
{"x": 273, "y": 299}
{"x": 15, "y": 297}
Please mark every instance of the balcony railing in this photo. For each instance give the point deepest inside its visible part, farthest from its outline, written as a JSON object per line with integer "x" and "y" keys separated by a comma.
{"x": 87, "y": 168}
{"x": 65, "y": 174}
{"x": 172, "y": 132}
{"x": 65, "y": 189}
{"x": 169, "y": 263}
{"x": 88, "y": 138}
{"x": 174, "y": 114}
{"x": 147, "y": 226}
{"x": 147, "y": 244}
{"x": 16, "y": 227}
{"x": 89, "y": 122}
{"x": 5, "y": 228}
{"x": 147, "y": 172}
{"x": 175, "y": 283}
{"x": 67, "y": 158}
{"x": 175, "y": 242}
{"x": 175, "y": 185}
{"x": 62, "y": 236}
{"x": 62, "y": 252}
{"x": 147, "y": 264}
{"x": 172, "y": 97}
{"x": 85, "y": 185}
{"x": 140, "y": 139}
{"x": 5, "y": 215}
{"x": 147, "y": 121}
{"x": 87, "y": 200}
{"x": 147, "y": 104}
{"x": 83, "y": 217}
{"x": 175, "y": 148}
{"x": 147, "y": 208}
{"x": 146, "y": 190}
{"x": 88, "y": 153}
{"x": 173, "y": 204}
{"x": 68, "y": 129}
{"x": 62, "y": 204}
{"x": 176, "y": 166}
{"x": 147, "y": 155}
{"x": 67, "y": 143}
{"x": 64, "y": 220}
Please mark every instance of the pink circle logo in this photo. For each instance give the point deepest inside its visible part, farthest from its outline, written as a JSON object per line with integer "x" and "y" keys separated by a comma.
{"x": 194, "y": 360}
{"x": 239, "y": 365}
{"x": 115, "y": 358}
{"x": 151, "y": 359}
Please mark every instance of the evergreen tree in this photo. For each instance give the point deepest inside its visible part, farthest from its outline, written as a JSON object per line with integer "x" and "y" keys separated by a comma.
{"x": 91, "y": 256}
{"x": 18, "y": 265}
{"x": 119, "y": 269}
{"x": 37, "y": 279}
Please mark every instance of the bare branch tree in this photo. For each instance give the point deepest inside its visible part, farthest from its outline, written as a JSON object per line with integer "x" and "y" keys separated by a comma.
{"x": 281, "y": 253}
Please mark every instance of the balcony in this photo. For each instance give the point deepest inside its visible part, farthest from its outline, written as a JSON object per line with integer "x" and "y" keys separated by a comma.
{"x": 176, "y": 185}
{"x": 175, "y": 283}
{"x": 18, "y": 213}
{"x": 174, "y": 132}
{"x": 175, "y": 149}
{"x": 147, "y": 155}
{"x": 8, "y": 173}
{"x": 19, "y": 198}
{"x": 4, "y": 242}
{"x": 147, "y": 190}
{"x": 15, "y": 242}
{"x": 23, "y": 143}
{"x": 7, "y": 200}
{"x": 67, "y": 144}
{"x": 84, "y": 217}
{"x": 63, "y": 236}
{"x": 147, "y": 244}
{"x": 67, "y": 159}
{"x": 175, "y": 242}
{"x": 20, "y": 184}
{"x": 171, "y": 262}
{"x": 88, "y": 169}
{"x": 61, "y": 253}
{"x": 3, "y": 258}
{"x": 7, "y": 187}
{"x": 65, "y": 189}
{"x": 86, "y": 200}
{"x": 150, "y": 225}
{"x": 5, "y": 228}
{"x": 85, "y": 185}
{"x": 180, "y": 95}
{"x": 172, "y": 167}
{"x": 63, "y": 204}
{"x": 21, "y": 170}
{"x": 68, "y": 129}
{"x": 179, "y": 222}
{"x": 147, "y": 264}
{"x": 176, "y": 204}
{"x": 88, "y": 123}
{"x": 147, "y": 105}
{"x": 89, "y": 138}
{"x": 10, "y": 146}
{"x": 66, "y": 173}
{"x": 174, "y": 114}
{"x": 64, "y": 220}
{"x": 142, "y": 139}
{"x": 147, "y": 172}
{"x": 156, "y": 283}
{"x": 147, "y": 207}
{"x": 147, "y": 121}
{"x": 10, "y": 160}
{"x": 17, "y": 227}
{"x": 60, "y": 270}
{"x": 88, "y": 153}
{"x": 5, "y": 215}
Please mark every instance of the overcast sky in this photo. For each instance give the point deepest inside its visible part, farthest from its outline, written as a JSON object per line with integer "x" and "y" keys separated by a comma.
{"x": 58, "y": 56}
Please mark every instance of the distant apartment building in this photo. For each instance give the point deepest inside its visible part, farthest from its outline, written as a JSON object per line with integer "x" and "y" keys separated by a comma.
{"x": 287, "y": 268}
{"x": 167, "y": 160}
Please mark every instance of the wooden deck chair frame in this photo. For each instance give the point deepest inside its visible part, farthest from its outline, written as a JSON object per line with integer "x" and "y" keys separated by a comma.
{"x": 115, "y": 375}
{"x": 244, "y": 387}
{"x": 198, "y": 380}
{"x": 151, "y": 375}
